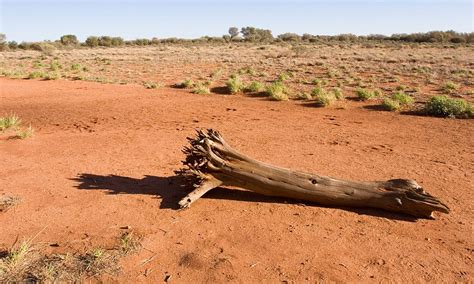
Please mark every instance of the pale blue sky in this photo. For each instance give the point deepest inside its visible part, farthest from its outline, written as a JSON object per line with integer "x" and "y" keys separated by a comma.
{"x": 34, "y": 20}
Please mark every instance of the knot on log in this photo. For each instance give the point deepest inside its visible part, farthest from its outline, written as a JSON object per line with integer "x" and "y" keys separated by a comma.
{"x": 210, "y": 162}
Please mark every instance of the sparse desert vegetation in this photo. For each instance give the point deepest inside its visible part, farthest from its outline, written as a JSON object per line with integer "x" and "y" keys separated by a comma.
{"x": 104, "y": 152}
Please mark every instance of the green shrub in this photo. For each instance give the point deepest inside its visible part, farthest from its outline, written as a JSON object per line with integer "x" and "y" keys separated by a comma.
{"x": 151, "y": 85}
{"x": 324, "y": 99}
{"x": 444, "y": 106}
{"x": 364, "y": 94}
{"x": 92, "y": 41}
{"x": 338, "y": 93}
{"x": 234, "y": 84}
{"x": 12, "y": 121}
{"x": 36, "y": 75}
{"x": 69, "y": 40}
{"x": 317, "y": 91}
{"x": 52, "y": 76}
{"x": 277, "y": 91}
{"x": 76, "y": 66}
{"x": 390, "y": 105}
{"x": 188, "y": 83}
{"x": 255, "y": 87}
{"x": 201, "y": 89}
{"x": 450, "y": 87}
{"x": 403, "y": 98}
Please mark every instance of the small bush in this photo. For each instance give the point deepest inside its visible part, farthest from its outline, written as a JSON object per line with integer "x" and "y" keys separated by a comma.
{"x": 364, "y": 94}
{"x": 201, "y": 89}
{"x": 36, "y": 75}
{"x": 450, "y": 87}
{"x": 255, "y": 87}
{"x": 235, "y": 85}
{"x": 52, "y": 76}
{"x": 26, "y": 133}
{"x": 12, "y": 121}
{"x": 444, "y": 106}
{"x": 277, "y": 91}
{"x": 402, "y": 98}
{"x": 324, "y": 99}
{"x": 186, "y": 84}
{"x": 390, "y": 104}
{"x": 151, "y": 85}
{"x": 338, "y": 93}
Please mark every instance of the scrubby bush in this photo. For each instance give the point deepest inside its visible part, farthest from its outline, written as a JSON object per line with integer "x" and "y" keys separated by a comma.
{"x": 323, "y": 98}
{"x": 364, "y": 94}
{"x": 450, "y": 87}
{"x": 390, "y": 104}
{"x": 235, "y": 85}
{"x": 69, "y": 40}
{"x": 397, "y": 101}
{"x": 444, "y": 106}
{"x": 255, "y": 87}
{"x": 92, "y": 41}
{"x": 277, "y": 91}
{"x": 256, "y": 35}
{"x": 289, "y": 37}
{"x": 201, "y": 89}
{"x": 36, "y": 75}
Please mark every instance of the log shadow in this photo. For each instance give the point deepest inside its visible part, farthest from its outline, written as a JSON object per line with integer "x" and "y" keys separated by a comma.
{"x": 171, "y": 189}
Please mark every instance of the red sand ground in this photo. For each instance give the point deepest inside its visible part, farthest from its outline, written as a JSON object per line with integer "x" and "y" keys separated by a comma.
{"x": 103, "y": 157}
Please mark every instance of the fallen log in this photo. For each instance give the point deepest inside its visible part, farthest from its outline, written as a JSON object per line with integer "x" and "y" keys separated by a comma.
{"x": 210, "y": 162}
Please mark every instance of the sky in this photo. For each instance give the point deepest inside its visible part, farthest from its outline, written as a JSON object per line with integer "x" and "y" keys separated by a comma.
{"x": 36, "y": 20}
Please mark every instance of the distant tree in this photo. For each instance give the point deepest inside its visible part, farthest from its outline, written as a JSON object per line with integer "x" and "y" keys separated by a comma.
{"x": 116, "y": 41}
{"x": 12, "y": 44}
{"x": 69, "y": 40}
{"x": 3, "y": 39}
{"x": 105, "y": 41}
{"x": 233, "y": 32}
{"x": 92, "y": 41}
{"x": 289, "y": 37}
{"x": 256, "y": 35}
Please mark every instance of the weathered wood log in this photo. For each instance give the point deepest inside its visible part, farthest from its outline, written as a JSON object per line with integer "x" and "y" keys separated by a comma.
{"x": 210, "y": 162}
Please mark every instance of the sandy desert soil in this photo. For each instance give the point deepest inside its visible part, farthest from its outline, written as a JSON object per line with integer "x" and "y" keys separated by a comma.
{"x": 102, "y": 157}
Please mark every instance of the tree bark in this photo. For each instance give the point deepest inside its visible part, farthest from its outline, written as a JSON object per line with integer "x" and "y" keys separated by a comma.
{"x": 210, "y": 162}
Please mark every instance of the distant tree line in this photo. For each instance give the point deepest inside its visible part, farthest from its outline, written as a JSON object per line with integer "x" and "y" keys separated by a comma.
{"x": 245, "y": 34}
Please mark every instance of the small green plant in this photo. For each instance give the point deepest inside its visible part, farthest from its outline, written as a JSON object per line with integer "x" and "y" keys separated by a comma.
{"x": 444, "y": 106}
{"x": 151, "y": 85}
{"x": 450, "y": 87}
{"x": 52, "y": 76}
{"x": 324, "y": 99}
{"x": 12, "y": 121}
{"x": 36, "y": 75}
{"x": 255, "y": 87}
{"x": 129, "y": 243}
{"x": 390, "y": 104}
{"x": 403, "y": 98}
{"x": 26, "y": 133}
{"x": 338, "y": 93}
{"x": 283, "y": 77}
{"x": 304, "y": 96}
{"x": 188, "y": 83}
{"x": 76, "y": 67}
{"x": 364, "y": 94}
{"x": 317, "y": 91}
{"x": 234, "y": 84}
{"x": 201, "y": 89}
{"x": 277, "y": 91}
{"x": 55, "y": 66}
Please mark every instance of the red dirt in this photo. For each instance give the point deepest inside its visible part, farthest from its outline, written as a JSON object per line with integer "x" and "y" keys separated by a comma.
{"x": 102, "y": 157}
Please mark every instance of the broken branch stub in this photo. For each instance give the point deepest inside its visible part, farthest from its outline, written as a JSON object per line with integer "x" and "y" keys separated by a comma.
{"x": 210, "y": 162}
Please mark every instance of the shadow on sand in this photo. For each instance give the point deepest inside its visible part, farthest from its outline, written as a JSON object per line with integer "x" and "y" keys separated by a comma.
{"x": 171, "y": 189}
